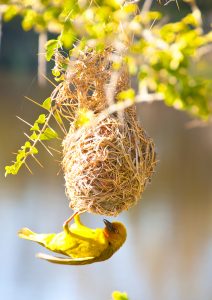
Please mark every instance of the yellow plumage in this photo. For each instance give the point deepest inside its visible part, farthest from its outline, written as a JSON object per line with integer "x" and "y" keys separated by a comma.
{"x": 81, "y": 244}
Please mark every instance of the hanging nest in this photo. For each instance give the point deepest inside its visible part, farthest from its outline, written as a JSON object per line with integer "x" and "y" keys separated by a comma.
{"x": 106, "y": 164}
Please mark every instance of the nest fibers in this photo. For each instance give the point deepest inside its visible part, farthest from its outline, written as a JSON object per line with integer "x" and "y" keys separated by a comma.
{"x": 107, "y": 164}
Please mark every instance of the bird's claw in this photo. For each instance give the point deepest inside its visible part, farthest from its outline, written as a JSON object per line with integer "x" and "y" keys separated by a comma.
{"x": 65, "y": 224}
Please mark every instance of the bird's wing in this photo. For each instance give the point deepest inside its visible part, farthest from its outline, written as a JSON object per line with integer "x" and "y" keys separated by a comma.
{"x": 84, "y": 233}
{"x": 67, "y": 261}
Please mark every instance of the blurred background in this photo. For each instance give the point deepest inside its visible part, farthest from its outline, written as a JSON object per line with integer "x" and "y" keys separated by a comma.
{"x": 168, "y": 253}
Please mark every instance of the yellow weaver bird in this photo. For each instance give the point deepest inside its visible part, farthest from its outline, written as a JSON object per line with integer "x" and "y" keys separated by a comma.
{"x": 81, "y": 244}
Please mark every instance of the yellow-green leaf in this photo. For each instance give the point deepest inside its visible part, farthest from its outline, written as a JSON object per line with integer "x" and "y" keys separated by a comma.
{"x": 128, "y": 94}
{"x": 119, "y": 296}
{"x": 35, "y": 127}
{"x": 41, "y": 119}
{"x": 58, "y": 117}
{"x": 49, "y": 134}
{"x": 47, "y": 103}
{"x": 51, "y": 46}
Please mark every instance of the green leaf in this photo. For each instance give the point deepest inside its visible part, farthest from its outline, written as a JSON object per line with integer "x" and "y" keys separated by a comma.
{"x": 58, "y": 117}
{"x": 41, "y": 119}
{"x": 35, "y": 127}
{"x": 55, "y": 72}
{"x": 29, "y": 20}
{"x": 51, "y": 46}
{"x": 128, "y": 94}
{"x": 61, "y": 78}
{"x": 34, "y": 136}
{"x": 13, "y": 169}
{"x": 49, "y": 134}
{"x": 67, "y": 37}
{"x": 47, "y": 103}
{"x": 119, "y": 296}
{"x": 11, "y": 12}
{"x": 33, "y": 150}
{"x": 20, "y": 156}
{"x": 26, "y": 149}
{"x": 132, "y": 65}
{"x": 83, "y": 118}
{"x": 27, "y": 145}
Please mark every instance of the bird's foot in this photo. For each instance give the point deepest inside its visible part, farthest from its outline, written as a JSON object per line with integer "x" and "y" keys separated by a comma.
{"x": 66, "y": 223}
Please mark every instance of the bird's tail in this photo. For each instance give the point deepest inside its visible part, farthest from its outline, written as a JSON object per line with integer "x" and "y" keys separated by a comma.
{"x": 26, "y": 233}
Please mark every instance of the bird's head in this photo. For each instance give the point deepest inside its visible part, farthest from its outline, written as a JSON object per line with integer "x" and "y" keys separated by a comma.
{"x": 115, "y": 233}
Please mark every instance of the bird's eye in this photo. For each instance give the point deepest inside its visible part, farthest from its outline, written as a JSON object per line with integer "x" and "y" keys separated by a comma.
{"x": 110, "y": 226}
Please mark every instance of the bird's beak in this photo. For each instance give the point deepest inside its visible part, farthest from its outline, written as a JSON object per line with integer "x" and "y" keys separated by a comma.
{"x": 109, "y": 226}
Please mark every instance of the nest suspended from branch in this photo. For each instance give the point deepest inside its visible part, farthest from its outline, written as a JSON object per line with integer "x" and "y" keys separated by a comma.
{"x": 106, "y": 164}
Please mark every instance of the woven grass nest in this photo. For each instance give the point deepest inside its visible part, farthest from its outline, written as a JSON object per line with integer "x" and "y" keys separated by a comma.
{"x": 108, "y": 163}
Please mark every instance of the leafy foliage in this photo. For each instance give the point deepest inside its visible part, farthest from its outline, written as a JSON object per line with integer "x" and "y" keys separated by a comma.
{"x": 159, "y": 57}
{"x": 26, "y": 150}
{"x": 41, "y": 131}
{"x": 51, "y": 47}
{"x": 166, "y": 69}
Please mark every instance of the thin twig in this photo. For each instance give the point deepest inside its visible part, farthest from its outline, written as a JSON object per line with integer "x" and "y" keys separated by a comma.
{"x": 37, "y": 140}
{"x": 27, "y": 167}
{"x": 33, "y": 101}
{"x": 54, "y": 149}
{"x": 49, "y": 80}
{"x": 30, "y": 125}
{"x": 38, "y": 162}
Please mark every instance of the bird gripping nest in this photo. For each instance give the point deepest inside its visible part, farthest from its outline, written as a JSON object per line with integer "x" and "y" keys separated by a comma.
{"x": 107, "y": 163}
